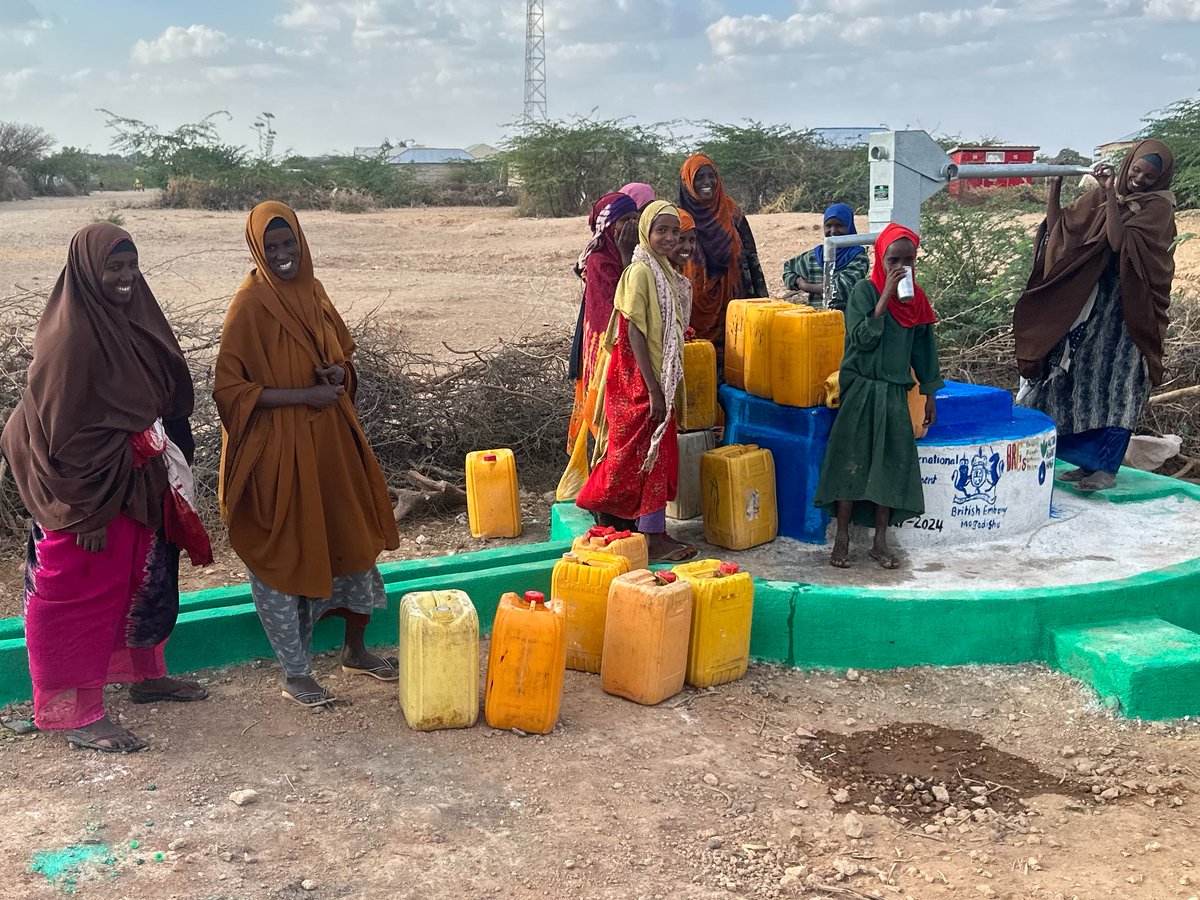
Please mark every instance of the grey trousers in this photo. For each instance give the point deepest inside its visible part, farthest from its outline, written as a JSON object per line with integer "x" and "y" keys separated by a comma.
{"x": 288, "y": 619}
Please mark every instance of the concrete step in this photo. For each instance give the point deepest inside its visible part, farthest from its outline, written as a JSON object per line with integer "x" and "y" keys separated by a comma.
{"x": 1148, "y": 668}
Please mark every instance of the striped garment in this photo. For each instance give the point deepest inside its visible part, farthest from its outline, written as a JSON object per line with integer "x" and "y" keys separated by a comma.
{"x": 1108, "y": 381}
{"x": 804, "y": 267}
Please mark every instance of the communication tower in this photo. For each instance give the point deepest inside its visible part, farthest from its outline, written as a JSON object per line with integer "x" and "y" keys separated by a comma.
{"x": 535, "y": 61}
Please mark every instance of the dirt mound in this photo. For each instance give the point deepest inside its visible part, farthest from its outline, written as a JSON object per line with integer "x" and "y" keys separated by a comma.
{"x": 919, "y": 772}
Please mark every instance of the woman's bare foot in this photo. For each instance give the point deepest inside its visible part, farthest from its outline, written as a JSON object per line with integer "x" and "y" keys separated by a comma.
{"x": 106, "y": 736}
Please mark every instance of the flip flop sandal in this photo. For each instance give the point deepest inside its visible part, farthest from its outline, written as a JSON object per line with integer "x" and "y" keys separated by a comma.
{"x": 889, "y": 562}
{"x": 388, "y": 670}
{"x": 839, "y": 562}
{"x": 137, "y": 696}
{"x": 81, "y": 740}
{"x": 1074, "y": 476}
{"x": 310, "y": 699}
{"x": 682, "y": 553}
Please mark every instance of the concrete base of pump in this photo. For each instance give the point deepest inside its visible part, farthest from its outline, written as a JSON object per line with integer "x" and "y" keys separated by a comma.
{"x": 1106, "y": 591}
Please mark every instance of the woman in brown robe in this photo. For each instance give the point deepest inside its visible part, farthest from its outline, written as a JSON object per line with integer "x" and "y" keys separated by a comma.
{"x": 1090, "y": 326}
{"x": 304, "y": 498}
{"x": 99, "y": 447}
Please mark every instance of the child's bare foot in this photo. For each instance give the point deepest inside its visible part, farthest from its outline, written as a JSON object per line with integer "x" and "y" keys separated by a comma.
{"x": 664, "y": 548}
{"x": 839, "y": 558}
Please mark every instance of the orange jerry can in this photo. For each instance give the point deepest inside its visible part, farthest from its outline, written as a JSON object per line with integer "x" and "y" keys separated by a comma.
{"x": 699, "y": 386}
{"x": 916, "y": 409}
{"x": 723, "y": 604}
{"x": 581, "y": 580}
{"x": 806, "y": 347}
{"x": 493, "y": 507}
{"x": 526, "y": 664}
{"x": 735, "y": 339}
{"x": 646, "y": 636}
{"x": 756, "y": 353}
{"x": 629, "y": 544}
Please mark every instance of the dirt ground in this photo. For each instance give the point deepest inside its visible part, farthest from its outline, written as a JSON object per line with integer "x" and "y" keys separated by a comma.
{"x": 771, "y": 787}
{"x": 928, "y": 783}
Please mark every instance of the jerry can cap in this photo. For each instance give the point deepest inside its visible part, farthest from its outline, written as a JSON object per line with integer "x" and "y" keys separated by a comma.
{"x": 616, "y": 536}
{"x": 535, "y": 597}
{"x": 489, "y": 457}
{"x": 728, "y": 568}
{"x": 666, "y": 577}
{"x": 596, "y": 531}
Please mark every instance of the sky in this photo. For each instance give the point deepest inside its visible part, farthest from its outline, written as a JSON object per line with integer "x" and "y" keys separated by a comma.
{"x": 344, "y": 73}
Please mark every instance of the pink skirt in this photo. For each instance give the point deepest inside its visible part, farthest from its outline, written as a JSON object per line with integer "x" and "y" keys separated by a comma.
{"x": 93, "y": 619}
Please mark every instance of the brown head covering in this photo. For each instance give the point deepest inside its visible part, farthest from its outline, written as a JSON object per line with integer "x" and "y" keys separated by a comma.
{"x": 301, "y": 491}
{"x": 1071, "y": 258}
{"x": 100, "y": 373}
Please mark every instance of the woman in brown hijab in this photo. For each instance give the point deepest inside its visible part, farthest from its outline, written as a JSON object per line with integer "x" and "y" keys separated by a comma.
{"x": 305, "y": 501}
{"x": 99, "y": 446}
{"x": 1090, "y": 326}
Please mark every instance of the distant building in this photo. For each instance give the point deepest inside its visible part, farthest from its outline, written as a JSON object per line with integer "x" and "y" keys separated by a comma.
{"x": 482, "y": 151}
{"x": 849, "y": 137}
{"x": 430, "y": 164}
{"x": 975, "y": 154}
{"x": 1112, "y": 149}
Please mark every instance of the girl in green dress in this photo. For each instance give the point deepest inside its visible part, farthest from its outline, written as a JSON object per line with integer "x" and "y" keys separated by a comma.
{"x": 871, "y": 473}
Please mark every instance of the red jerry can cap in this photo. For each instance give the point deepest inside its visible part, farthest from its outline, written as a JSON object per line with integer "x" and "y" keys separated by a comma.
{"x": 728, "y": 568}
{"x": 599, "y": 530}
{"x": 489, "y": 457}
{"x": 616, "y": 536}
{"x": 535, "y": 597}
{"x": 666, "y": 577}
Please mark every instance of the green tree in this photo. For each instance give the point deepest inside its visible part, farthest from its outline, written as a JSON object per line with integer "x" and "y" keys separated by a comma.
{"x": 563, "y": 166}
{"x": 193, "y": 149}
{"x": 1178, "y": 126}
{"x": 75, "y": 165}
{"x": 781, "y": 169}
{"x": 1064, "y": 157}
{"x": 974, "y": 263}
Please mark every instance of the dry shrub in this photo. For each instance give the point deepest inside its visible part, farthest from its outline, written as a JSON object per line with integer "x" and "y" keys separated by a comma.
{"x": 419, "y": 411}
{"x": 350, "y": 201}
{"x": 13, "y": 185}
{"x": 196, "y": 193}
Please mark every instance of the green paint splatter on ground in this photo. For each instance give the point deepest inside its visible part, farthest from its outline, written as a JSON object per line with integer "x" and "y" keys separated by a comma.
{"x": 67, "y": 861}
{"x": 133, "y": 845}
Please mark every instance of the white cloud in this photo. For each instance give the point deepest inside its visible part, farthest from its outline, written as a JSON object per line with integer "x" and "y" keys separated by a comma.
{"x": 1180, "y": 61}
{"x": 178, "y": 43}
{"x": 12, "y": 83}
{"x": 1174, "y": 10}
{"x": 309, "y": 16}
{"x": 21, "y": 23}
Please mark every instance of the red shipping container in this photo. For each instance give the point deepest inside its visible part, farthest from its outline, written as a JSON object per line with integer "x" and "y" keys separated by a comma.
{"x": 989, "y": 156}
